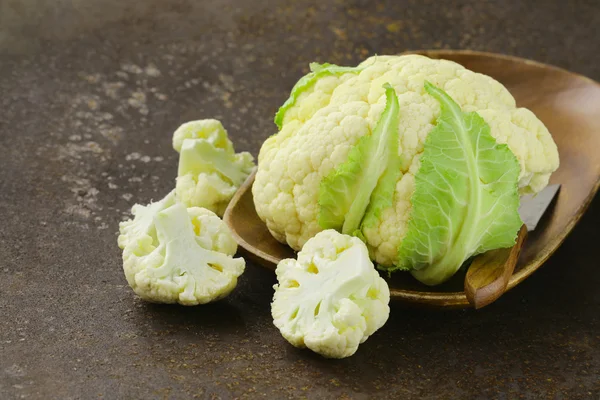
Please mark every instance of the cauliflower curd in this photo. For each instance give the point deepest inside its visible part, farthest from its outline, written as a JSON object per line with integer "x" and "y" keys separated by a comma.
{"x": 325, "y": 119}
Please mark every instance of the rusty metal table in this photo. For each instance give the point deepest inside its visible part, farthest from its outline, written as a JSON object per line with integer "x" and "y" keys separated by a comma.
{"x": 90, "y": 93}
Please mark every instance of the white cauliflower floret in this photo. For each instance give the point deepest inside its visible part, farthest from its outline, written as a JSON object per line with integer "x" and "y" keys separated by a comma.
{"x": 331, "y": 299}
{"x": 210, "y": 172}
{"x": 328, "y": 119}
{"x": 176, "y": 255}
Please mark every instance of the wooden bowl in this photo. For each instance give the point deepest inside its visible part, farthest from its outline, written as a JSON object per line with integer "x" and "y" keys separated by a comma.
{"x": 569, "y": 105}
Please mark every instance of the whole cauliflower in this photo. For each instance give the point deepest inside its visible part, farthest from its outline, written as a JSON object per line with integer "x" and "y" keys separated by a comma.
{"x": 333, "y": 108}
{"x": 210, "y": 171}
{"x": 174, "y": 254}
{"x": 331, "y": 299}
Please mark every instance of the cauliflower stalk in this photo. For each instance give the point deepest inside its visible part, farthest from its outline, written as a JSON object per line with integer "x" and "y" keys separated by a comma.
{"x": 139, "y": 232}
{"x": 331, "y": 299}
{"x": 174, "y": 254}
{"x": 210, "y": 171}
{"x": 311, "y": 174}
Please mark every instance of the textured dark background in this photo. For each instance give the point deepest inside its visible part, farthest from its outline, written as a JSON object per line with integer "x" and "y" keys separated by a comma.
{"x": 90, "y": 93}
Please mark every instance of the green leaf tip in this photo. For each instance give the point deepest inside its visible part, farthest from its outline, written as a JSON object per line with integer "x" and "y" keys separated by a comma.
{"x": 318, "y": 71}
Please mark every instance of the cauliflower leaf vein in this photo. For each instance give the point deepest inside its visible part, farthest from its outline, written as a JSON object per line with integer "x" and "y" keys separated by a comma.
{"x": 466, "y": 196}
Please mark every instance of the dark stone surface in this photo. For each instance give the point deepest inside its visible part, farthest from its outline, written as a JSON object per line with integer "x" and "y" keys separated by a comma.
{"x": 91, "y": 91}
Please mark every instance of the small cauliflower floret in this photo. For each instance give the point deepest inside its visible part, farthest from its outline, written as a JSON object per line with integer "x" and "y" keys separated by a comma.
{"x": 331, "y": 299}
{"x": 210, "y": 171}
{"x": 176, "y": 255}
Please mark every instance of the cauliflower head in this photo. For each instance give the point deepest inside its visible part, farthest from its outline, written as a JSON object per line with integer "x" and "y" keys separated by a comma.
{"x": 335, "y": 108}
{"x": 174, "y": 254}
{"x": 210, "y": 171}
{"x": 331, "y": 299}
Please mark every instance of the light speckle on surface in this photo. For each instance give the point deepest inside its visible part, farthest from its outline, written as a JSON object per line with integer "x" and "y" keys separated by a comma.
{"x": 133, "y": 156}
{"x": 132, "y": 68}
{"x": 137, "y": 98}
{"x": 14, "y": 370}
{"x": 152, "y": 71}
{"x": 112, "y": 89}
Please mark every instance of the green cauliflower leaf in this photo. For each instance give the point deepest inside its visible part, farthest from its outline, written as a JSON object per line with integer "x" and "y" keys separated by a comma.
{"x": 466, "y": 196}
{"x": 364, "y": 185}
